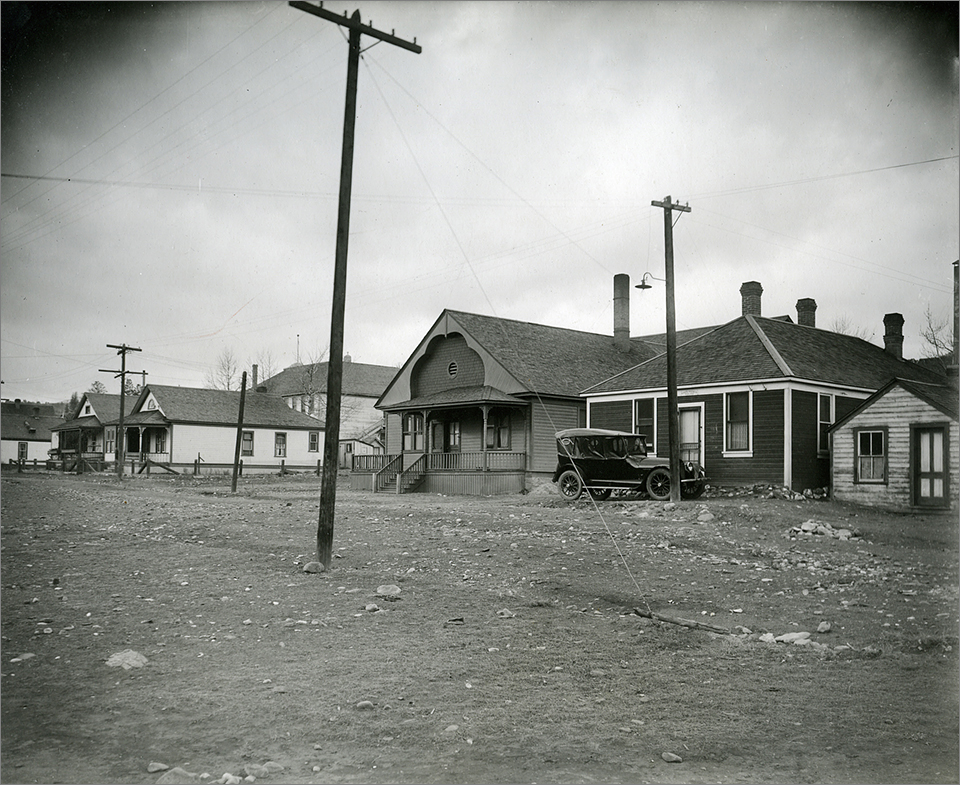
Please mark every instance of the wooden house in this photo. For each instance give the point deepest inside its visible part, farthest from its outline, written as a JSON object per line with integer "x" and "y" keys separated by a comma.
{"x": 26, "y": 431}
{"x": 89, "y": 433}
{"x": 304, "y": 386}
{"x": 900, "y": 448}
{"x": 184, "y": 428}
{"x": 757, "y": 396}
{"x": 475, "y": 408}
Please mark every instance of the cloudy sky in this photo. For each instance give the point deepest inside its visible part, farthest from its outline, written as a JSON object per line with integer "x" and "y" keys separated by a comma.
{"x": 171, "y": 170}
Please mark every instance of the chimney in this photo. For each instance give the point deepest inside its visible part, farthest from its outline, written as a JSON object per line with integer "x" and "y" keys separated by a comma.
{"x": 807, "y": 312}
{"x": 621, "y": 312}
{"x": 893, "y": 334}
{"x": 347, "y": 358}
{"x": 253, "y": 381}
{"x": 750, "y": 294}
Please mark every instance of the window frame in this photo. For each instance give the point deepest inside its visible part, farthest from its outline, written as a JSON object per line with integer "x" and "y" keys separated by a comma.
{"x": 313, "y": 441}
{"x": 279, "y": 444}
{"x": 243, "y": 440}
{"x": 857, "y": 456}
{"x": 159, "y": 442}
{"x": 652, "y": 436}
{"x": 823, "y": 426}
{"x": 411, "y": 439}
{"x": 499, "y": 433}
{"x": 738, "y": 452}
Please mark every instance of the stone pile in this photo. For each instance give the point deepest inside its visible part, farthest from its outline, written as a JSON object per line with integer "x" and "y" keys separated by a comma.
{"x": 814, "y": 527}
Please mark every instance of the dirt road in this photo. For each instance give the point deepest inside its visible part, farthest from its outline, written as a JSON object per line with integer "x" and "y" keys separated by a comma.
{"x": 512, "y": 653}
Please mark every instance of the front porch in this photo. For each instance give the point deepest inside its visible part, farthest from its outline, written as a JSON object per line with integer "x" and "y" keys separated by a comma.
{"x": 479, "y": 473}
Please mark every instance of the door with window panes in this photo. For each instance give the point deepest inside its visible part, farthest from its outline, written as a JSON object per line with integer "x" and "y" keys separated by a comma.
{"x": 930, "y": 466}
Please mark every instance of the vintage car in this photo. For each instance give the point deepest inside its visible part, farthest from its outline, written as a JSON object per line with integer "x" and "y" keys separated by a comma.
{"x": 602, "y": 461}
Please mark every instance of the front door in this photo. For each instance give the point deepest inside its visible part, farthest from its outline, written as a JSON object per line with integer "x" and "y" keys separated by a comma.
{"x": 691, "y": 435}
{"x": 930, "y": 467}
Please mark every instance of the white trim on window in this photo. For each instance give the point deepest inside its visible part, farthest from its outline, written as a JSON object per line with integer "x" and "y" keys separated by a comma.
{"x": 739, "y": 453}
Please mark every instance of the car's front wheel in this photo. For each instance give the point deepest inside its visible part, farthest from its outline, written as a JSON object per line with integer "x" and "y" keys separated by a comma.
{"x": 570, "y": 485}
{"x": 658, "y": 484}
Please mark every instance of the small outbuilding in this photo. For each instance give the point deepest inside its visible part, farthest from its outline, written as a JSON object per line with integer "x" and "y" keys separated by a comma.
{"x": 899, "y": 448}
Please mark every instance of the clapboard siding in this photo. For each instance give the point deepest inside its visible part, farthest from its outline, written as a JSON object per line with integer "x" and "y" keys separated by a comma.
{"x": 217, "y": 444}
{"x": 896, "y": 411}
{"x": 613, "y": 415}
{"x": 548, "y": 417}
{"x": 431, "y": 373}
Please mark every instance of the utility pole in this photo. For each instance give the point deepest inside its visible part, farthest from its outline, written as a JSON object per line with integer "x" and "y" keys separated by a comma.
{"x": 122, "y": 350}
{"x": 673, "y": 419}
{"x": 236, "y": 452}
{"x": 331, "y": 435}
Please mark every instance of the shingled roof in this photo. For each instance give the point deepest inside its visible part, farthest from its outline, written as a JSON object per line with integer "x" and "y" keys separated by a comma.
{"x": 359, "y": 379}
{"x": 221, "y": 407}
{"x": 751, "y": 348}
{"x": 24, "y": 426}
{"x": 550, "y": 360}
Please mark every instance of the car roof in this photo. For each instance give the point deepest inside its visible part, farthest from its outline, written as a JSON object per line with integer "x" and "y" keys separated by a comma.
{"x": 592, "y": 432}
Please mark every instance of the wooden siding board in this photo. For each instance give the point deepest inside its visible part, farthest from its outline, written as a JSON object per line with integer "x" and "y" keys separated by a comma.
{"x": 613, "y": 415}
{"x": 897, "y": 411}
{"x": 430, "y": 374}
{"x": 548, "y": 417}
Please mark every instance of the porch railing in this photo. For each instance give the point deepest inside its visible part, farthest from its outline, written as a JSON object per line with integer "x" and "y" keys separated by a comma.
{"x": 492, "y": 461}
{"x": 410, "y": 477}
{"x": 371, "y": 463}
{"x": 387, "y": 473}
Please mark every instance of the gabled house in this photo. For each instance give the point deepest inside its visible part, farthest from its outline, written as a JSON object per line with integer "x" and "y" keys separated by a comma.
{"x": 476, "y": 406}
{"x": 89, "y": 433}
{"x": 757, "y": 396}
{"x": 26, "y": 430}
{"x": 183, "y": 427}
{"x": 304, "y": 389}
{"x": 898, "y": 448}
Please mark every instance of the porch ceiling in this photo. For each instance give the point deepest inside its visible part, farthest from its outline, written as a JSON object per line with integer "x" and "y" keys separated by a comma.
{"x": 459, "y": 396}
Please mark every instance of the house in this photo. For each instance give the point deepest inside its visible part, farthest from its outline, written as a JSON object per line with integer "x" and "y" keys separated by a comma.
{"x": 89, "y": 433}
{"x": 476, "y": 406}
{"x": 898, "y": 448}
{"x": 187, "y": 427}
{"x": 25, "y": 430}
{"x": 757, "y": 395}
{"x": 304, "y": 389}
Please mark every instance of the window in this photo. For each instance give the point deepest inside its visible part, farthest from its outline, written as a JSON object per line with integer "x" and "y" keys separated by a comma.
{"x": 871, "y": 458}
{"x": 451, "y": 442}
{"x": 246, "y": 443}
{"x": 737, "y": 418}
{"x": 86, "y": 409}
{"x": 279, "y": 445}
{"x": 413, "y": 433}
{"x": 151, "y": 404}
{"x": 498, "y": 431}
{"x": 22, "y": 451}
{"x": 643, "y": 421}
{"x": 825, "y": 409}
{"x": 314, "y": 441}
{"x": 160, "y": 441}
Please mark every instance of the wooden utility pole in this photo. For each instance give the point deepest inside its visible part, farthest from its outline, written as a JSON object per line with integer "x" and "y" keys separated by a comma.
{"x": 122, "y": 350}
{"x": 673, "y": 419}
{"x": 236, "y": 452}
{"x": 331, "y": 435}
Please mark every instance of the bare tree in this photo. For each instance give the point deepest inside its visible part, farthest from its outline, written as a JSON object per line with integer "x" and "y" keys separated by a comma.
{"x": 843, "y": 325}
{"x": 312, "y": 378}
{"x": 223, "y": 375}
{"x": 939, "y": 342}
{"x": 266, "y": 365}
{"x": 98, "y": 387}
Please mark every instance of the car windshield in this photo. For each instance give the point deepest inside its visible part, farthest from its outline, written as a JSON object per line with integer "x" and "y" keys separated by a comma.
{"x": 590, "y": 446}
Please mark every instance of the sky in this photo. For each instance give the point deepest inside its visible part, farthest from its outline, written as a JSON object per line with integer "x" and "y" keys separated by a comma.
{"x": 170, "y": 174}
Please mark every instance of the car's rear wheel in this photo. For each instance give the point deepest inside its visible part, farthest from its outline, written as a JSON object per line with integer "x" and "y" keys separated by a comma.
{"x": 570, "y": 485}
{"x": 600, "y": 494}
{"x": 658, "y": 484}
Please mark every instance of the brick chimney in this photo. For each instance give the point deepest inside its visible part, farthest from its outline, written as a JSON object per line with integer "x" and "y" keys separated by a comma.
{"x": 621, "y": 312}
{"x": 750, "y": 294}
{"x": 807, "y": 312}
{"x": 893, "y": 334}
{"x": 253, "y": 381}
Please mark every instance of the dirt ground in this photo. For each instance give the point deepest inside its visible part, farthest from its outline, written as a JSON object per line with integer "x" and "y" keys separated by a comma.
{"x": 512, "y": 654}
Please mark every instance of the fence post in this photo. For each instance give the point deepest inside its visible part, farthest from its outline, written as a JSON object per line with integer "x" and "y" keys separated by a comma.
{"x": 241, "y": 468}
{"x": 318, "y": 467}
{"x": 282, "y": 469}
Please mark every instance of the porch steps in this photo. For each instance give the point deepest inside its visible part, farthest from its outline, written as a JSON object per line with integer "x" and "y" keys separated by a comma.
{"x": 390, "y": 486}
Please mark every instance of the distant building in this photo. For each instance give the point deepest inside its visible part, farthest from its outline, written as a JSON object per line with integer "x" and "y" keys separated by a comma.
{"x": 26, "y": 430}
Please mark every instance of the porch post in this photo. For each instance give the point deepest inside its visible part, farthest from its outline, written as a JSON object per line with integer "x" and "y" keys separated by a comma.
{"x": 483, "y": 435}
{"x": 142, "y": 451}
